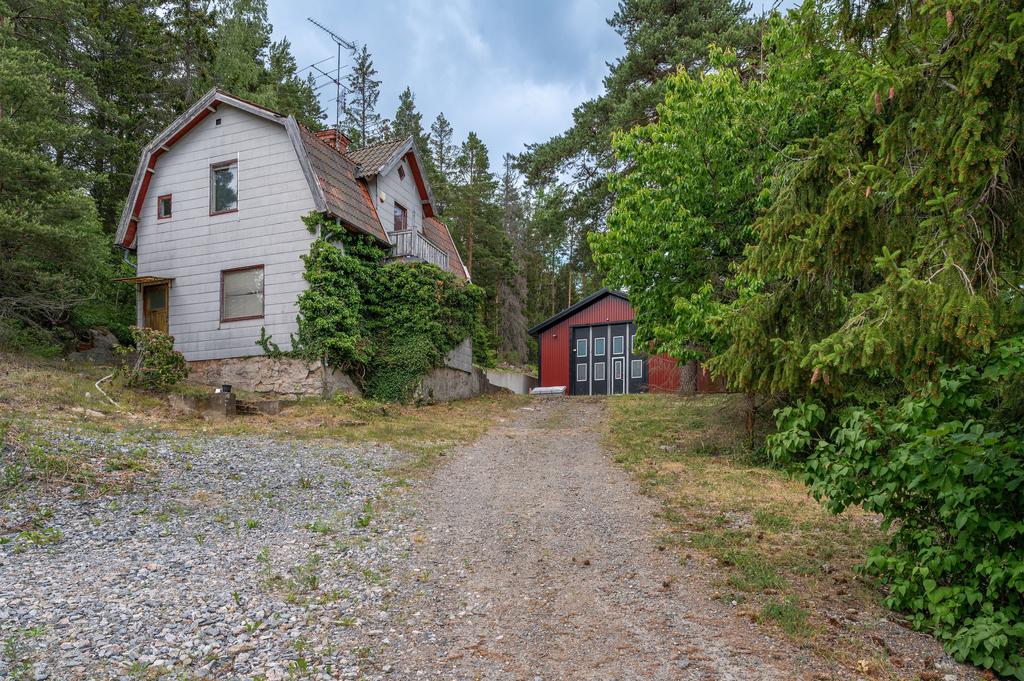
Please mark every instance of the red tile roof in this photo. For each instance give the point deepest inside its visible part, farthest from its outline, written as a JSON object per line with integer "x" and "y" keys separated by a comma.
{"x": 437, "y": 233}
{"x": 346, "y": 196}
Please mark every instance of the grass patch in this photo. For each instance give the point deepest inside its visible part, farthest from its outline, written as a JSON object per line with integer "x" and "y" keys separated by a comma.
{"x": 789, "y": 616}
{"x": 774, "y": 549}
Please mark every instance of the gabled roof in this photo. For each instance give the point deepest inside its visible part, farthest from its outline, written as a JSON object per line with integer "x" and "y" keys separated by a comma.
{"x": 573, "y": 309}
{"x": 325, "y": 175}
{"x": 373, "y": 159}
{"x": 382, "y": 158}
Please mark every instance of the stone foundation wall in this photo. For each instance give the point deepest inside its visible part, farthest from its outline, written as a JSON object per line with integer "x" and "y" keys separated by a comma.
{"x": 280, "y": 377}
{"x": 289, "y": 377}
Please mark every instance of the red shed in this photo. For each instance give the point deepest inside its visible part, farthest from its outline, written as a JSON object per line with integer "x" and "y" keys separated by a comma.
{"x": 588, "y": 348}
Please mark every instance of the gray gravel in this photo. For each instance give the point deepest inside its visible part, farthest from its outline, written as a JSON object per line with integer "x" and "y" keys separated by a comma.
{"x": 537, "y": 561}
{"x": 239, "y": 558}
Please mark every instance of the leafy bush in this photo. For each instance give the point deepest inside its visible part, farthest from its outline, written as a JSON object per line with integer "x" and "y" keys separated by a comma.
{"x": 945, "y": 467}
{"x": 157, "y": 364}
{"x": 386, "y": 324}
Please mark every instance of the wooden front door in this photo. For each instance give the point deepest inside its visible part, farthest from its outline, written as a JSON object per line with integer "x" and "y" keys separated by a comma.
{"x": 154, "y": 306}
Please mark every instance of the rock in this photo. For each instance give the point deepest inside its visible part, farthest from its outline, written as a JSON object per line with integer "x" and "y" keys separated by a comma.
{"x": 103, "y": 344}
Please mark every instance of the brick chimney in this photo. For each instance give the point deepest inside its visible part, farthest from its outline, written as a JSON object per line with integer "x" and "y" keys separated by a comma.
{"x": 335, "y": 138}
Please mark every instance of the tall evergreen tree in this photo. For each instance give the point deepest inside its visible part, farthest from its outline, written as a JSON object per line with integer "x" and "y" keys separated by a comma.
{"x": 191, "y": 24}
{"x": 408, "y": 121}
{"x": 54, "y": 250}
{"x": 512, "y": 285}
{"x": 442, "y": 156}
{"x": 242, "y": 38}
{"x": 363, "y": 124}
{"x": 660, "y": 36}
{"x": 248, "y": 64}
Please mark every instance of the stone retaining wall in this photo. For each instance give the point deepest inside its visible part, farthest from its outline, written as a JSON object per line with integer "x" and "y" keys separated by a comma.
{"x": 281, "y": 377}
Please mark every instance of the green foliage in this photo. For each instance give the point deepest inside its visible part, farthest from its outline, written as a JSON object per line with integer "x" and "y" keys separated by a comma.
{"x": 385, "y": 323}
{"x": 659, "y": 36}
{"x": 846, "y": 229}
{"x": 267, "y": 344}
{"x": 157, "y": 364}
{"x": 363, "y": 124}
{"x": 54, "y": 252}
{"x": 945, "y": 467}
{"x": 248, "y": 64}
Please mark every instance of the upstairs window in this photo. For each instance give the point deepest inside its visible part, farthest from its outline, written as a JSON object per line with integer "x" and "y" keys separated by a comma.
{"x": 401, "y": 218}
{"x": 241, "y": 294}
{"x": 223, "y": 187}
{"x": 401, "y": 173}
{"x": 163, "y": 207}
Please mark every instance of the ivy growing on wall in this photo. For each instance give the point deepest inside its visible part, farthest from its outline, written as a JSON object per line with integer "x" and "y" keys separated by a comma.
{"x": 386, "y": 324}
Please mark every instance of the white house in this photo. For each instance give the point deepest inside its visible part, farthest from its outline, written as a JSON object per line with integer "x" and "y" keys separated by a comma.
{"x": 214, "y": 217}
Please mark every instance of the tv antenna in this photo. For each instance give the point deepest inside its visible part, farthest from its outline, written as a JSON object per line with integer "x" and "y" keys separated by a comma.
{"x": 339, "y": 101}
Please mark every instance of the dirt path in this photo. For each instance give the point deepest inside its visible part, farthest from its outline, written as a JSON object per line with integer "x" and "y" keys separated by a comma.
{"x": 537, "y": 560}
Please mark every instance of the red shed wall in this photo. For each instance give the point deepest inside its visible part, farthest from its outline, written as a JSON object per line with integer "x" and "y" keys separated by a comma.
{"x": 663, "y": 371}
{"x": 554, "y": 342}
{"x": 662, "y": 374}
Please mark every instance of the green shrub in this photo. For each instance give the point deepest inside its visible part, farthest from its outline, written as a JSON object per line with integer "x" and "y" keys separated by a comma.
{"x": 157, "y": 364}
{"x": 945, "y": 468}
{"x": 385, "y": 323}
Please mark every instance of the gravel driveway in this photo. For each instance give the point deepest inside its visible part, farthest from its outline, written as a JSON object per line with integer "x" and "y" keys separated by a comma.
{"x": 239, "y": 559}
{"x": 536, "y": 560}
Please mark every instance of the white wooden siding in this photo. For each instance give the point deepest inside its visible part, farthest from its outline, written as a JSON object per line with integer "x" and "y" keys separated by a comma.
{"x": 194, "y": 247}
{"x": 402, "y": 191}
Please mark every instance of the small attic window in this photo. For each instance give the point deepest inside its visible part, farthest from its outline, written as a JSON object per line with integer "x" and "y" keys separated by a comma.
{"x": 401, "y": 172}
{"x": 217, "y": 122}
{"x": 163, "y": 207}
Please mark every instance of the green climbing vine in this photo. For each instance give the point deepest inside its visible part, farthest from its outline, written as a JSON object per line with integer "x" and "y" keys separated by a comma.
{"x": 386, "y": 324}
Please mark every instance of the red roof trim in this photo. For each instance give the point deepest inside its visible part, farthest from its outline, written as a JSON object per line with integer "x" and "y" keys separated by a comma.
{"x": 428, "y": 209}
{"x": 133, "y": 223}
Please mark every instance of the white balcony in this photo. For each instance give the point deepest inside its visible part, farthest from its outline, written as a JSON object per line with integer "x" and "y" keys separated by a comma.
{"x": 412, "y": 244}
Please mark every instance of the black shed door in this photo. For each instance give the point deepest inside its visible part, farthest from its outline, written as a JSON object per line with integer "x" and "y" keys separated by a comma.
{"x": 602, "y": 362}
{"x": 579, "y": 366}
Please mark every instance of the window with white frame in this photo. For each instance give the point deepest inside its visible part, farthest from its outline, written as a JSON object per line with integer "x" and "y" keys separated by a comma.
{"x": 581, "y": 372}
{"x": 636, "y": 369}
{"x": 599, "y": 343}
{"x": 223, "y": 187}
{"x": 581, "y": 347}
{"x": 598, "y": 371}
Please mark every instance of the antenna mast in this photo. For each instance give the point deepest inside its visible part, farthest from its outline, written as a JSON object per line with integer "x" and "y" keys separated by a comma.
{"x": 336, "y": 78}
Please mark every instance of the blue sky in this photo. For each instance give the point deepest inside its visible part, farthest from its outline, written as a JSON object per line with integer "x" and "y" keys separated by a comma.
{"x": 511, "y": 70}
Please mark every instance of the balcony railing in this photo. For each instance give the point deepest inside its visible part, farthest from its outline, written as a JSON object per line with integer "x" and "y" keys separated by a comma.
{"x": 411, "y": 244}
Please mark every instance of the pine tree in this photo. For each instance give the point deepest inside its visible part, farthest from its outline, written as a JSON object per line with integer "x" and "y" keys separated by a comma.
{"x": 408, "y": 122}
{"x": 242, "y": 39}
{"x": 247, "y": 64}
{"x": 364, "y": 126}
{"x": 512, "y": 286}
{"x": 54, "y": 250}
{"x": 442, "y": 157}
{"x": 292, "y": 94}
{"x": 660, "y": 36}
{"x": 191, "y": 24}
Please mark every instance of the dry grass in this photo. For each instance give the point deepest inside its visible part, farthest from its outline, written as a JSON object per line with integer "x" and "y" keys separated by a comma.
{"x": 61, "y": 393}
{"x": 784, "y": 560}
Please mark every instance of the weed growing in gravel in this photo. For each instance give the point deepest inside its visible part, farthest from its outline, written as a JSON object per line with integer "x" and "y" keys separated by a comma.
{"x": 320, "y": 526}
{"x": 790, "y": 617}
{"x": 366, "y": 517}
{"x": 27, "y": 538}
{"x": 133, "y": 460}
{"x": 252, "y": 523}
